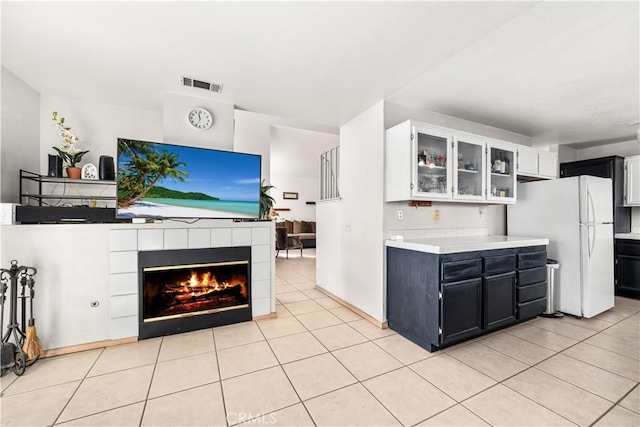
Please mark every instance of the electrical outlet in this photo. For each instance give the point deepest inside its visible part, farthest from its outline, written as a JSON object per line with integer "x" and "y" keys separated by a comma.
{"x": 400, "y": 215}
{"x": 436, "y": 215}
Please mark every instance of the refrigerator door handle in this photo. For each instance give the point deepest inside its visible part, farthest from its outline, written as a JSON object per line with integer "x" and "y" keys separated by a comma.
{"x": 592, "y": 242}
{"x": 592, "y": 206}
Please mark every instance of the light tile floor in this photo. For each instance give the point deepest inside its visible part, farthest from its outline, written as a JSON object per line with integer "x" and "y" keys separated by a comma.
{"x": 319, "y": 363}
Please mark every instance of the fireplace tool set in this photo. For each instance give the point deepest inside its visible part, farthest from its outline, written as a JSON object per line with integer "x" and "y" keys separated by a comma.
{"x": 20, "y": 347}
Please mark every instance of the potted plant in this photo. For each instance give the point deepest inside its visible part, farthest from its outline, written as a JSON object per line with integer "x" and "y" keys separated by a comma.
{"x": 69, "y": 153}
{"x": 266, "y": 201}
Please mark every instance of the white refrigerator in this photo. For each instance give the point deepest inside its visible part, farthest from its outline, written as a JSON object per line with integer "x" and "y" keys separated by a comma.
{"x": 576, "y": 215}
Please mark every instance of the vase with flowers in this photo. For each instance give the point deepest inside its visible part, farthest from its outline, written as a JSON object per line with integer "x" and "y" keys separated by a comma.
{"x": 69, "y": 153}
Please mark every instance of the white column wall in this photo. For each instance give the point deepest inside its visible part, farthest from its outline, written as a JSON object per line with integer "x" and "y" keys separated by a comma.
{"x": 329, "y": 246}
{"x": 360, "y": 239}
{"x": 251, "y": 135}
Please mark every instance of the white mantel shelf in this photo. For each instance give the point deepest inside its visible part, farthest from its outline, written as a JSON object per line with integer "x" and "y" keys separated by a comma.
{"x": 449, "y": 245}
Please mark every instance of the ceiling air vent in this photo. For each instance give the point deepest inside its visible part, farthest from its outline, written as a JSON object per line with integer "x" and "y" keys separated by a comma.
{"x": 186, "y": 81}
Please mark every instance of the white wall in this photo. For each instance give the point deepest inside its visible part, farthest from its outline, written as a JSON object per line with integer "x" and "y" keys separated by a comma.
{"x": 455, "y": 219}
{"x": 635, "y": 220}
{"x": 624, "y": 149}
{"x": 396, "y": 113}
{"x": 295, "y": 167}
{"x": 177, "y": 129}
{"x": 252, "y": 134}
{"x": 566, "y": 154}
{"x": 329, "y": 231}
{"x": 20, "y": 143}
{"x": 72, "y": 264}
{"x": 97, "y": 125}
{"x": 360, "y": 243}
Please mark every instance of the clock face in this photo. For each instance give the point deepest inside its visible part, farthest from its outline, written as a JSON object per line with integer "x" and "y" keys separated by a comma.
{"x": 200, "y": 118}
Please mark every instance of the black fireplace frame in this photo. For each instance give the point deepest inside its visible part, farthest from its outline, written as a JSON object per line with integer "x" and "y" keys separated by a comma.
{"x": 188, "y": 323}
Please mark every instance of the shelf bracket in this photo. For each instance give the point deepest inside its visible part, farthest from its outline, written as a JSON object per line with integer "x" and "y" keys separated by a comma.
{"x": 419, "y": 203}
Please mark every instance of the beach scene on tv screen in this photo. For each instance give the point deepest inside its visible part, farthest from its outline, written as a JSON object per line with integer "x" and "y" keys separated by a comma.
{"x": 172, "y": 181}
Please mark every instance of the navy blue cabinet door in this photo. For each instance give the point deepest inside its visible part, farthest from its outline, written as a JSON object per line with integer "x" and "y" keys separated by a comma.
{"x": 461, "y": 309}
{"x": 500, "y": 299}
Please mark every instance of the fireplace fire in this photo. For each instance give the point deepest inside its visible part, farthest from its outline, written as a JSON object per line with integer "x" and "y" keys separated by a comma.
{"x": 191, "y": 289}
{"x": 180, "y": 290}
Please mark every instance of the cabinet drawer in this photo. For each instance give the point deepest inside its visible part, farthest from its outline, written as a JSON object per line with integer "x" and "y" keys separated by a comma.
{"x": 532, "y": 259}
{"x": 532, "y": 275}
{"x": 531, "y": 292}
{"x": 461, "y": 270}
{"x": 499, "y": 264}
{"x": 531, "y": 308}
{"x": 626, "y": 248}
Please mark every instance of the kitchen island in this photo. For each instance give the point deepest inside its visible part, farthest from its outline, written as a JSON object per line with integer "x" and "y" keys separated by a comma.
{"x": 441, "y": 291}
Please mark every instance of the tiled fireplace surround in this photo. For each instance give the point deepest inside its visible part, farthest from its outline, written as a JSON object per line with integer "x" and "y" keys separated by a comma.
{"x": 125, "y": 243}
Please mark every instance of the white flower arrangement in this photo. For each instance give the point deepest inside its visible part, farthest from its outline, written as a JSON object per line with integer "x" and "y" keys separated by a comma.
{"x": 69, "y": 153}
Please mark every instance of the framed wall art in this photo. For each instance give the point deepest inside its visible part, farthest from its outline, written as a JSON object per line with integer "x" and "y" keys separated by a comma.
{"x": 288, "y": 195}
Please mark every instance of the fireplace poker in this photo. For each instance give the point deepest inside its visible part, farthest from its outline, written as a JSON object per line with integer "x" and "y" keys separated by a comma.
{"x": 32, "y": 345}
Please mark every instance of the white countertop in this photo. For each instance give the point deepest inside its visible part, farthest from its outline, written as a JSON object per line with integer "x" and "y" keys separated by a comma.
{"x": 632, "y": 236}
{"x": 449, "y": 245}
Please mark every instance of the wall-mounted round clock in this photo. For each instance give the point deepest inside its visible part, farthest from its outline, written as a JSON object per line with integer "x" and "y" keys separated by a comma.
{"x": 200, "y": 118}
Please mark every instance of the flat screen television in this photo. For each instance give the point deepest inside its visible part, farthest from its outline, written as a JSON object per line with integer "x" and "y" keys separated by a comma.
{"x": 158, "y": 180}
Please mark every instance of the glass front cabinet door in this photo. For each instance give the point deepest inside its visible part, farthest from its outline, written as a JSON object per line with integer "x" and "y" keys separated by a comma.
{"x": 429, "y": 162}
{"x": 469, "y": 180}
{"x": 501, "y": 172}
{"x": 432, "y": 163}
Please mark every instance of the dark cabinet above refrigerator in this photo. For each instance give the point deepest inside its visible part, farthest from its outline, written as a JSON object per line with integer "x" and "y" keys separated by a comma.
{"x": 605, "y": 167}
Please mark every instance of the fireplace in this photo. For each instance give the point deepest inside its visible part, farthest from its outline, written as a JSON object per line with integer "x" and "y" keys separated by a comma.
{"x": 190, "y": 289}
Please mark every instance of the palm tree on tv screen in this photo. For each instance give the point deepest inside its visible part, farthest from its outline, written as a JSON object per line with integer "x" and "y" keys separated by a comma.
{"x": 143, "y": 169}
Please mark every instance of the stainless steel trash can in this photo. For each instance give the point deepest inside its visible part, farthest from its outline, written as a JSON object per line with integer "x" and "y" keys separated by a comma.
{"x": 552, "y": 266}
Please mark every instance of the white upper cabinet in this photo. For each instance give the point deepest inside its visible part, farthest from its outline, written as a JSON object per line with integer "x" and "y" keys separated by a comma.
{"x": 427, "y": 162}
{"x": 527, "y": 161}
{"x": 632, "y": 181}
{"x": 537, "y": 164}
{"x": 417, "y": 162}
{"x": 548, "y": 164}
{"x": 469, "y": 177}
{"x": 501, "y": 172}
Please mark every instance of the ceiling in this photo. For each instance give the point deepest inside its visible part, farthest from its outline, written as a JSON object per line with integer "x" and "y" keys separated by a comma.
{"x": 563, "y": 71}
